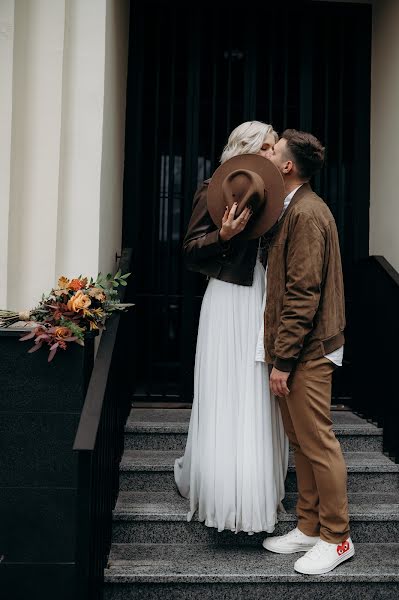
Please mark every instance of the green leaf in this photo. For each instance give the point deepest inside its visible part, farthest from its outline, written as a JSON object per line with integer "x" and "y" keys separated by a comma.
{"x": 109, "y": 276}
{"x": 123, "y": 282}
{"x": 125, "y": 276}
{"x": 117, "y": 274}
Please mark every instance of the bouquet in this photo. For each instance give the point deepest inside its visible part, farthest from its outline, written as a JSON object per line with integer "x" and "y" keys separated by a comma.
{"x": 68, "y": 312}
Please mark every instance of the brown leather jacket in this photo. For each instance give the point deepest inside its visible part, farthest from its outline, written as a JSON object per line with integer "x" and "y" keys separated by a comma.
{"x": 205, "y": 252}
{"x": 305, "y": 308}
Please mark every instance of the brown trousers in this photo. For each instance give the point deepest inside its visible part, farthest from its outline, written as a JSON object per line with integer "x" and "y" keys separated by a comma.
{"x": 322, "y": 506}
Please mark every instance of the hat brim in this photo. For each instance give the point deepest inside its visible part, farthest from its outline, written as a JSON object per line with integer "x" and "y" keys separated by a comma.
{"x": 274, "y": 186}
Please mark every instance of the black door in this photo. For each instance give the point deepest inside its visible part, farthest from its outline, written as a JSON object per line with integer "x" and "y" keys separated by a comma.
{"x": 194, "y": 75}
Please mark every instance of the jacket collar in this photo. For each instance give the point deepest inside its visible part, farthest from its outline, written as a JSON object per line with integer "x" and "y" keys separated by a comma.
{"x": 299, "y": 194}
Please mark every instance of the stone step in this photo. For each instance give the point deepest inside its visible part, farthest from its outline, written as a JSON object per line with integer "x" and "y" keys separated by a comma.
{"x": 166, "y": 429}
{"x": 162, "y": 518}
{"x": 181, "y": 572}
{"x": 152, "y": 470}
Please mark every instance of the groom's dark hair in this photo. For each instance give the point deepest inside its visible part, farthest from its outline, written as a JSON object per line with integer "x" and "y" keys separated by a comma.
{"x": 306, "y": 151}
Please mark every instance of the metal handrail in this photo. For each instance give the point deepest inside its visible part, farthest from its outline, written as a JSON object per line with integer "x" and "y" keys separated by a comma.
{"x": 376, "y": 353}
{"x": 388, "y": 268}
{"x": 99, "y": 444}
{"x": 91, "y": 412}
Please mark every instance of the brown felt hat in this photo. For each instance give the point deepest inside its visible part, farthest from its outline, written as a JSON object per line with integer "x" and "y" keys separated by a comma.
{"x": 251, "y": 180}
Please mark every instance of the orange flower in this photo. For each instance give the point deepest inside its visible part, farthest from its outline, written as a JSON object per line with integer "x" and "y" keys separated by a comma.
{"x": 77, "y": 284}
{"x": 78, "y": 302}
{"x": 62, "y": 332}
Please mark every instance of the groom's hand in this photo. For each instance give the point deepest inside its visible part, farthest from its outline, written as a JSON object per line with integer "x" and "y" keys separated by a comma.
{"x": 278, "y": 382}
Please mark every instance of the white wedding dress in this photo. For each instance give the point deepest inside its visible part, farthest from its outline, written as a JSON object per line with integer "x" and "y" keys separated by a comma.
{"x": 236, "y": 456}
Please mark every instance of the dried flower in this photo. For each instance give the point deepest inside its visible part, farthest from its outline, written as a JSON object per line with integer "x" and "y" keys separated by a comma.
{"x": 78, "y": 301}
{"x": 63, "y": 283}
{"x": 62, "y": 332}
{"x": 69, "y": 311}
{"x": 96, "y": 293}
{"x": 77, "y": 284}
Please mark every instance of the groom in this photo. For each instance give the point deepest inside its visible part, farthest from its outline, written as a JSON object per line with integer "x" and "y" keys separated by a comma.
{"x": 304, "y": 323}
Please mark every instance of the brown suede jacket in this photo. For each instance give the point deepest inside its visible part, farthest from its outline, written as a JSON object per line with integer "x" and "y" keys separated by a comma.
{"x": 205, "y": 252}
{"x": 305, "y": 308}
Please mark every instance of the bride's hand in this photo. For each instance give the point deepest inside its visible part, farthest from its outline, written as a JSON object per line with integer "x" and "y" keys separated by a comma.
{"x": 230, "y": 225}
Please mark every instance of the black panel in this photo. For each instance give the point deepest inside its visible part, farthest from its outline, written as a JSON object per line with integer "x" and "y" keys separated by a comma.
{"x": 37, "y": 581}
{"x": 43, "y": 524}
{"x": 29, "y": 383}
{"x": 195, "y": 73}
{"x": 38, "y": 449}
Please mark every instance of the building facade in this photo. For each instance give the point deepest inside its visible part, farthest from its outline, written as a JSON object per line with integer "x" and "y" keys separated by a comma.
{"x": 96, "y": 156}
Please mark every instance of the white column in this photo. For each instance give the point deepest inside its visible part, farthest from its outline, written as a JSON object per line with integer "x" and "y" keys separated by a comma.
{"x": 62, "y": 124}
{"x": 35, "y": 144}
{"x": 384, "y": 202}
{"x": 111, "y": 203}
{"x": 93, "y": 133}
{"x": 6, "y": 67}
{"x": 81, "y": 147}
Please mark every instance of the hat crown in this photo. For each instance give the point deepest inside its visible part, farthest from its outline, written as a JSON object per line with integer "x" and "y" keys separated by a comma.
{"x": 250, "y": 180}
{"x": 244, "y": 187}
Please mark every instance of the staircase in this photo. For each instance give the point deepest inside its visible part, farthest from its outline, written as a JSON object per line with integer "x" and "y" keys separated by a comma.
{"x": 157, "y": 554}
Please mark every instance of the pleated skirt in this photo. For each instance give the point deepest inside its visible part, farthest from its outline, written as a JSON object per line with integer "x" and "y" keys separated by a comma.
{"x": 236, "y": 456}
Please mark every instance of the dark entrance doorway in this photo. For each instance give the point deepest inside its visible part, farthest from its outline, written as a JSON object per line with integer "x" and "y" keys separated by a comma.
{"x": 196, "y": 73}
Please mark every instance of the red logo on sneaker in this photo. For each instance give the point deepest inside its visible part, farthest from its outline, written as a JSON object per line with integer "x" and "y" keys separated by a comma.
{"x": 342, "y": 548}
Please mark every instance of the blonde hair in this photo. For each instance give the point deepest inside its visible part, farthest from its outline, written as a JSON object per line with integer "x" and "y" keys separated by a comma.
{"x": 247, "y": 138}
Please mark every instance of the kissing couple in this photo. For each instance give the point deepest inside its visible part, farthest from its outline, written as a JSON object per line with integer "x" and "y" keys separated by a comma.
{"x": 269, "y": 338}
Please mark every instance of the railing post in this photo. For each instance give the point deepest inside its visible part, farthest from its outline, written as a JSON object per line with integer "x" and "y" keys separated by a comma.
{"x": 84, "y": 522}
{"x": 99, "y": 446}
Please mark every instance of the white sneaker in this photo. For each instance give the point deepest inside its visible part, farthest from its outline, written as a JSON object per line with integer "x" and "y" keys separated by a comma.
{"x": 324, "y": 557}
{"x": 294, "y": 541}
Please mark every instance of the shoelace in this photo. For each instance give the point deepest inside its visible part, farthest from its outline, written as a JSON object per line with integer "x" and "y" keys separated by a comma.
{"x": 318, "y": 549}
{"x": 295, "y": 533}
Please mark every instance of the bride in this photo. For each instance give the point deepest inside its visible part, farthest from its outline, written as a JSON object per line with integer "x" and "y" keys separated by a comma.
{"x": 236, "y": 456}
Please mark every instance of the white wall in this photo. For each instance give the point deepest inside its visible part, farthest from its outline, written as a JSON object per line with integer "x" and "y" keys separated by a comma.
{"x": 6, "y": 68}
{"x": 78, "y": 222}
{"x": 384, "y": 209}
{"x": 35, "y": 145}
{"x": 62, "y": 124}
{"x": 113, "y": 146}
